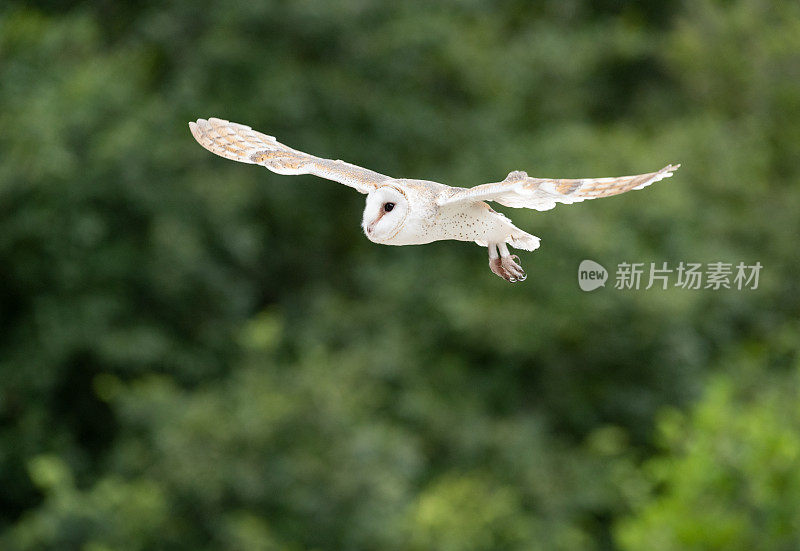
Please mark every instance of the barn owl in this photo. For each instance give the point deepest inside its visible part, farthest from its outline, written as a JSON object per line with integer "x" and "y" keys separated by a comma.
{"x": 401, "y": 211}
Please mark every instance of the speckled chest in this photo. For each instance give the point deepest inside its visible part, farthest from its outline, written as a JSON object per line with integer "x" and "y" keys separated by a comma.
{"x": 465, "y": 221}
{"x": 429, "y": 222}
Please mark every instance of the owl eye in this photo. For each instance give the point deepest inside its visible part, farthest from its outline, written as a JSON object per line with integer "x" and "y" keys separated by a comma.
{"x": 388, "y": 207}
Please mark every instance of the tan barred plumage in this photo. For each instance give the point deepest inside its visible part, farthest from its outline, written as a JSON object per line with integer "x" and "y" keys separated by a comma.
{"x": 521, "y": 191}
{"x": 412, "y": 212}
{"x": 238, "y": 142}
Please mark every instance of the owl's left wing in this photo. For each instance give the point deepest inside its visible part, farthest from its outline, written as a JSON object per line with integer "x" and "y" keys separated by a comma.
{"x": 238, "y": 142}
{"x": 521, "y": 191}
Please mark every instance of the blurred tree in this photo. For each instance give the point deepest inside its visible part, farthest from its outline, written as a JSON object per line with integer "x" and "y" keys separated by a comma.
{"x": 728, "y": 476}
{"x": 101, "y": 272}
{"x": 280, "y": 448}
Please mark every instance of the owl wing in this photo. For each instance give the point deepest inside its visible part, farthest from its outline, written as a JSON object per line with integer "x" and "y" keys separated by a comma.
{"x": 521, "y": 191}
{"x": 241, "y": 143}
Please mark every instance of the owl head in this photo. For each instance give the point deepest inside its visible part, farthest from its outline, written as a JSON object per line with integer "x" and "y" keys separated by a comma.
{"x": 385, "y": 213}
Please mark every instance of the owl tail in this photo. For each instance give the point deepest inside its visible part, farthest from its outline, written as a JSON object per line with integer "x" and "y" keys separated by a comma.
{"x": 524, "y": 241}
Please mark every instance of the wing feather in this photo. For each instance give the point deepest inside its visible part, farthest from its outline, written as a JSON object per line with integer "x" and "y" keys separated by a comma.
{"x": 521, "y": 191}
{"x": 238, "y": 142}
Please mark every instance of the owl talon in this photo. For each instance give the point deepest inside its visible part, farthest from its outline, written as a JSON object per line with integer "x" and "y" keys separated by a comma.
{"x": 506, "y": 268}
{"x": 511, "y": 265}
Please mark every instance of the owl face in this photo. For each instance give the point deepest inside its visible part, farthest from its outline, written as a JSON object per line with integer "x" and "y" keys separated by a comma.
{"x": 385, "y": 213}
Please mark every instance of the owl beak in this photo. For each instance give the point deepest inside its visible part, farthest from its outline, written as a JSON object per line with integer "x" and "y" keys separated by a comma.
{"x": 371, "y": 225}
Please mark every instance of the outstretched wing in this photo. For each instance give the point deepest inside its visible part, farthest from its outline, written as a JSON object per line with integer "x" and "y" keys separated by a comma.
{"x": 522, "y": 191}
{"x": 241, "y": 143}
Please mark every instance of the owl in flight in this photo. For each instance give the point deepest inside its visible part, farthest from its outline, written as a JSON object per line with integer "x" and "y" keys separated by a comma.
{"x": 400, "y": 211}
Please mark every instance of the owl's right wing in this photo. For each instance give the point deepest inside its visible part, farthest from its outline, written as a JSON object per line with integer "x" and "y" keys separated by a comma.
{"x": 241, "y": 143}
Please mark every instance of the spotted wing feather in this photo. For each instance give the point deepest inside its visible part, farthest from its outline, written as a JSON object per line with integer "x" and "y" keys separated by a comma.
{"x": 238, "y": 142}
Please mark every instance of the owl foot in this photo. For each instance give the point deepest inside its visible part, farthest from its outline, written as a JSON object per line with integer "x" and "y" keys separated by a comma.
{"x": 506, "y": 265}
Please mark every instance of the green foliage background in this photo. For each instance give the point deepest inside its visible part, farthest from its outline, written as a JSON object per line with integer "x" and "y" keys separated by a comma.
{"x": 196, "y": 354}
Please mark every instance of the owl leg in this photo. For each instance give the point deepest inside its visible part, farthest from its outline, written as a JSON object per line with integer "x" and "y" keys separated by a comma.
{"x": 503, "y": 264}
